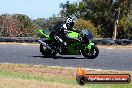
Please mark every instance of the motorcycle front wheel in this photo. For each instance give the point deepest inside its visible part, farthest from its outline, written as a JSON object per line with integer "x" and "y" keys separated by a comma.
{"x": 90, "y": 53}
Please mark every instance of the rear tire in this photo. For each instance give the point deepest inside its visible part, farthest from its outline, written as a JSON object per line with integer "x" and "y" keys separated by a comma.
{"x": 90, "y": 53}
{"x": 46, "y": 52}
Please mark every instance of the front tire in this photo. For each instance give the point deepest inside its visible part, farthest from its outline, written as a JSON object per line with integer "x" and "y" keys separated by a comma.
{"x": 90, "y": 53}
{"x": 46, "y": 52}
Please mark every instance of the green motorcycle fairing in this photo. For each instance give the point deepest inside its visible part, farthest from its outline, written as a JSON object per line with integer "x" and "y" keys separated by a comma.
{"x": 43, "y": 34}
{"x": 90, "y": 45}
{"x": 74, "y": 48}
{"x": 73, "y": 34}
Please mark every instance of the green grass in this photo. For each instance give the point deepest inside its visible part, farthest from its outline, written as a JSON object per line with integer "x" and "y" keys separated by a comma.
{"x": 14, "y": 75}
{"x": 55, "y": 79}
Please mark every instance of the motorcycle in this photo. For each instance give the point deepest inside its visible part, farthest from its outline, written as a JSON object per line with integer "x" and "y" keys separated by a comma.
{"x": 81, "y": 44}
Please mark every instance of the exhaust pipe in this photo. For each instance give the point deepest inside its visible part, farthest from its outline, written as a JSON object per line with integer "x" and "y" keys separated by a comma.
{"x": 44, "y": 44}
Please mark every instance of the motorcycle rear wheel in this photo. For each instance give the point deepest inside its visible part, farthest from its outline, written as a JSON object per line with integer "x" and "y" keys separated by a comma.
{"x": 46, "y": 52}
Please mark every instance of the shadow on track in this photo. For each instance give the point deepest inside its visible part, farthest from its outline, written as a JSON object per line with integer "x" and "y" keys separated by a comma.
{"x": 62, "y": 57}
{"x": 39, "y": 56}
{"x": 68, "y": 57}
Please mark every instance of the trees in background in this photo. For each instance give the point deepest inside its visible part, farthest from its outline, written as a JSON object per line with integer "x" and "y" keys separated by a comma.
{"x": 96, "y": 15}
{"x": 16, "y": 25}
{"x": 20, "y": 25}
{"x": 48, "y": 24}
{"x": 81, "y": 23}
{"x": 102, "y": 14}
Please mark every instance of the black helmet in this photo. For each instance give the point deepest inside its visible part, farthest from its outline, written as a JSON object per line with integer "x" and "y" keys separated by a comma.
{"x": 69, "y": 22}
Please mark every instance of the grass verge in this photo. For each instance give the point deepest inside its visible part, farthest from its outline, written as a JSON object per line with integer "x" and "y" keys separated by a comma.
{"x": 29, "y": 76}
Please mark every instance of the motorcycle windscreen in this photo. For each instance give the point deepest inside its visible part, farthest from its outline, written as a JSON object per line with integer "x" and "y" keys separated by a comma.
{"x": 73, "y": 34}
{"x": 87, "y": 33}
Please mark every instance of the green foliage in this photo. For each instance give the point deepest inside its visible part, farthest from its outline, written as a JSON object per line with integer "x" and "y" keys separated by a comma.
{"x": 100, "y": 12}
{"x": 80, "y": 23}
{"x": 53, "y": 21}
{"x": 68, "y": 12}
{"x": 48, "y": 24}
{"x": 40, "y": 22}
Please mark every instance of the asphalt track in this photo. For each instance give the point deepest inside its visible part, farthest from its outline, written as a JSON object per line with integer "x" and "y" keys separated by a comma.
{"x": 108, "y": 59}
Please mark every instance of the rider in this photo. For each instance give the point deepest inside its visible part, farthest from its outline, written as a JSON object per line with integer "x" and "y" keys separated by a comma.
{"x": 60, "y": 31}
